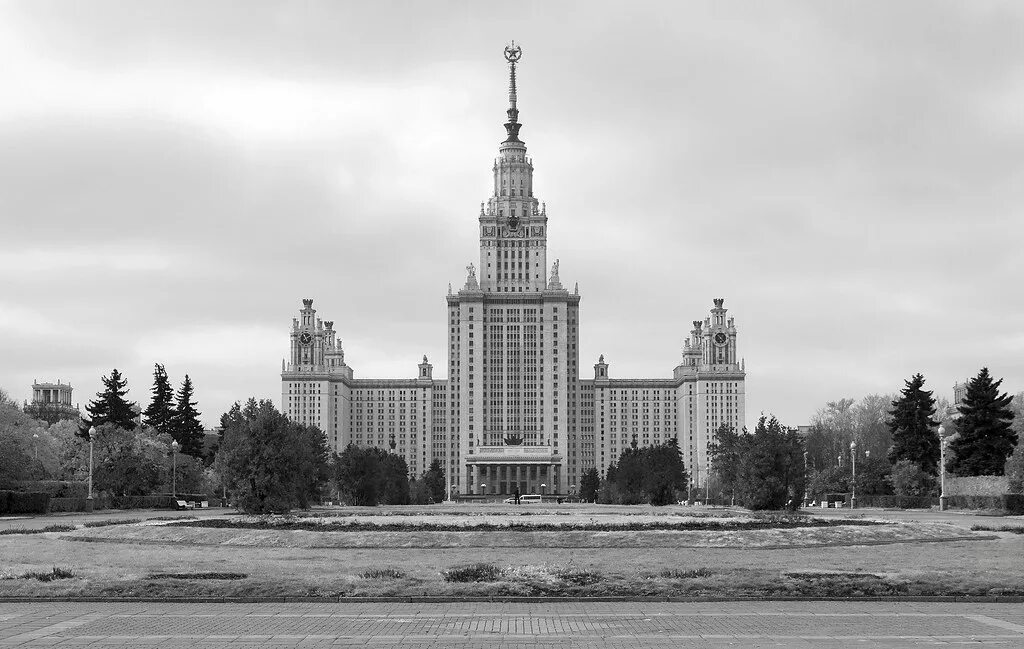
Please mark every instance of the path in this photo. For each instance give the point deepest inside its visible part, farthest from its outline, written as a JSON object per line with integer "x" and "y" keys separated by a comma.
{"x": 537, "y": 626}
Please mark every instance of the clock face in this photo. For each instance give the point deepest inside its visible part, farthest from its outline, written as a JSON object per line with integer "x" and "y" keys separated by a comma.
{"x": 305, "y": 338}
{"x": 720, "y": 338}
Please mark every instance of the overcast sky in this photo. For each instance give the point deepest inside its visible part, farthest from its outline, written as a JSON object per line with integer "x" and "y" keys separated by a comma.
{"x": 175, "y": 177}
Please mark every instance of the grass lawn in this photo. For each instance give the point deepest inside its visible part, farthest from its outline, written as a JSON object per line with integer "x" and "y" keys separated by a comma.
{"x": 152, "y": 558}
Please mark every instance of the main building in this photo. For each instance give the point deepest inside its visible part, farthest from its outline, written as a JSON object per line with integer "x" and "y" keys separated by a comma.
{"x": 515, "y": 410}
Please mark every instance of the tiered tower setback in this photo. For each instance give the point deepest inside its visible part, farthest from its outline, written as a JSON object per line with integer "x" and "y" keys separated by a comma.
{"x": 514, "y": 413}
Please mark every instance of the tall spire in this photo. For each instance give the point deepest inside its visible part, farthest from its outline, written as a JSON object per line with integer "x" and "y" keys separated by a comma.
{"x": 512, "y": 54}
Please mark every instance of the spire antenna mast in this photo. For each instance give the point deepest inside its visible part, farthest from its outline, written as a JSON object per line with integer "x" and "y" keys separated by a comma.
{"x": 512, "y": 54}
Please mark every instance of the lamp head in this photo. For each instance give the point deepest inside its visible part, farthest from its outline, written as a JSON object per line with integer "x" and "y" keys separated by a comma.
{"x": 942, "y": 431}
{"x": 174, "y": 445}
{"x": 853, "y": 446}
{"x": 92, "y": 432}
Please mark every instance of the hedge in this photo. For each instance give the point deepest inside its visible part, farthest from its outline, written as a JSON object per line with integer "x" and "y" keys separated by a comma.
{"x": 1011, "y": 503}
{"x": 898, "y": 502}
{"x": 161, "y": 501}
{"x": 24, "y": 502}
{"x": 76, "y": 504}
{"x": 56, "y": 488}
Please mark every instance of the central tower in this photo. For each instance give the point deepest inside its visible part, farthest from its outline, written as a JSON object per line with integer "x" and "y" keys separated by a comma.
{"x": 513, "y": 339}
{"x": 513, "y": 225}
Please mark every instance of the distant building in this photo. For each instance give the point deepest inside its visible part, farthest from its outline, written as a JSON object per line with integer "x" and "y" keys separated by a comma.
{"x": 802, "y": 431}
{"x": 959, "y": 392}
{"x": 51, "y": 402}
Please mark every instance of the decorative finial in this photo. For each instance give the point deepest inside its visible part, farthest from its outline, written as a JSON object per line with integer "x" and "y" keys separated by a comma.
{"x": 424, "y": 359}
{"x": 512, "y": 54}
{"x": 600, "y": 358}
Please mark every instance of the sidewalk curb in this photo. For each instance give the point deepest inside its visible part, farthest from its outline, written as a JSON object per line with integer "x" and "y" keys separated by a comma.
{"x": 957, "y": 599}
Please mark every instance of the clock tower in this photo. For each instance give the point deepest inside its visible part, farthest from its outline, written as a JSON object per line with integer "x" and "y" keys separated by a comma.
{"x": 719, "y": 336}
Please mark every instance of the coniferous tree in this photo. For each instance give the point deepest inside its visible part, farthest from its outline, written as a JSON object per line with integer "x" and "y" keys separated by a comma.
{"x": 435, "y": 482}
{"x": 270, "y": 463}
{"x": 110, "y": 406}
{"x": 590, "y": 483}
{"x": 186, "y": 428}
{"x": 914, "y": 431}
{"x": 770, "y": 474}
{"x": 160, "y": 412}
{"x": 986, "y": 437}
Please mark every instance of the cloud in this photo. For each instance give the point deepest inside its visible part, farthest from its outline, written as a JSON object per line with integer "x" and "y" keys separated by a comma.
{"x": 174, "y": 178}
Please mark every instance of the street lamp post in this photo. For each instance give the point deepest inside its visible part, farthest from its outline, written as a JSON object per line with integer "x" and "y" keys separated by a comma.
{"x": 174, "y": 469}
{"x": 35, "y": 447}
{"x": 805, "y": 479}
{"x": 542, "y": 487}
{"x": 88, "y": 499}
{"x": 942, "y": 469}
{"x": 853, "y": 467}
{"x": 707, "y": 486}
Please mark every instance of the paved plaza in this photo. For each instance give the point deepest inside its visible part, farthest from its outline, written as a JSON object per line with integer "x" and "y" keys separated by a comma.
{"x": 533, "y": 625}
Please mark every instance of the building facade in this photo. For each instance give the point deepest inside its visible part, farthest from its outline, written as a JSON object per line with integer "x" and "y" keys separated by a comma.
{"x": 51, "y": 402}
{"x": 515, "y": 412}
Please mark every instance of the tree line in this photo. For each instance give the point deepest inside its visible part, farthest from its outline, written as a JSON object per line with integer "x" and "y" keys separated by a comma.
{"x": 898, "y": 446}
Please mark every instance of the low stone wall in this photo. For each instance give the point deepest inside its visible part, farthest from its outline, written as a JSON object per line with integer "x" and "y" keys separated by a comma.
{"x": 981, "y": 485}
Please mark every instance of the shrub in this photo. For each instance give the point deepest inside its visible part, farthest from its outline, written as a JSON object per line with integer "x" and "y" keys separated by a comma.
{"x": 676, "y": 573}
{"x": 1013, "y": 503}
{"x": 1014, "y": 529}
{"x": 579, "y": 577}
{"x": 125, "y": 521}
{"x": 59, "y": 528}
{"x": 198, "y": 575}
{"x": 41, "y": 530}
{"x": 382, "y": 573}
{"x": 55, "y": 573}
{"x": 472, "y": 572}
{"x": 909, "y": 479}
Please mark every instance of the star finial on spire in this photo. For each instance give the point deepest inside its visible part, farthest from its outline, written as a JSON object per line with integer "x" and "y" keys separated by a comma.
{"x": 512, "y": 54}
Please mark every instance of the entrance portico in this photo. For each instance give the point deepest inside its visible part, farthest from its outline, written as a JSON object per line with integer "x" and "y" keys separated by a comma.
{"x": 500, "y": 470}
